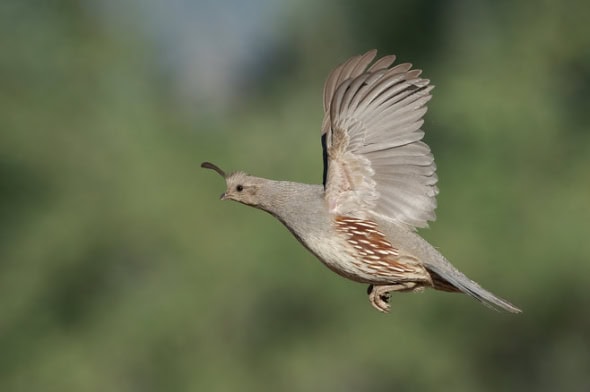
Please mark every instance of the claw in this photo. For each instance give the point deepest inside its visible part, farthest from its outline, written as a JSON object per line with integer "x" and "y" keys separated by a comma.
{"x": 379, "y": 299}
{"x": 379, "y": 295}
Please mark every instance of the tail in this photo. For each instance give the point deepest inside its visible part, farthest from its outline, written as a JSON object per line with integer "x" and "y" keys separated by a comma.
{"x": 454, "y": 281}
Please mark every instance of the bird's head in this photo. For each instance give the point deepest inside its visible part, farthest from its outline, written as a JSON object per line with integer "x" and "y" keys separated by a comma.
{"x": 241, "y": 187}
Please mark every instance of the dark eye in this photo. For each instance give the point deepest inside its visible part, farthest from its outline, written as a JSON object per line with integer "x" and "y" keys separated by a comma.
{"x": 239, "y": 188}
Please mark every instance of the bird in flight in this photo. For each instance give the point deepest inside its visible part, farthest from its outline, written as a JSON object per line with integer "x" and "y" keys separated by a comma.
{"x": 379, "y": 186}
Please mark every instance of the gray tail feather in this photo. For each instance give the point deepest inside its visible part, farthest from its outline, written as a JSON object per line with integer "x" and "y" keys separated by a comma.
{"x": 463, "y": 284}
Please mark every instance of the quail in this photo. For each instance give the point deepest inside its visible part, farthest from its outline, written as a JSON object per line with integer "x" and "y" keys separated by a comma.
{"x": 379, "y": 186}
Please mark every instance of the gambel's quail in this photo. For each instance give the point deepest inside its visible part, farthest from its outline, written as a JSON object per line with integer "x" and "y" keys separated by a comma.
{"x": 379, "y": 185}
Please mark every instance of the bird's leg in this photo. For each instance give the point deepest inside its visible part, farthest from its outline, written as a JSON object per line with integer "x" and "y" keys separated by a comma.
{"x": 379, "y": 295}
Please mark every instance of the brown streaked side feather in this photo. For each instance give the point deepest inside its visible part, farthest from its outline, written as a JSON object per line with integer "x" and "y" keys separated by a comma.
{"x": 376, "y": 255}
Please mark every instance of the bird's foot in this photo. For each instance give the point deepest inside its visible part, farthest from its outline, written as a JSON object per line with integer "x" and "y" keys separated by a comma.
{"x": 379, "y": 295}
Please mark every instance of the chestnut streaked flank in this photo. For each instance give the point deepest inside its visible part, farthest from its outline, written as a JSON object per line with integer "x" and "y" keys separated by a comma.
{"x": 379, "y": 185}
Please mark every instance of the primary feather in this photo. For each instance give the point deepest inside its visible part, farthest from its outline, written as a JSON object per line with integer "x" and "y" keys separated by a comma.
{"x": 376, "y": 162}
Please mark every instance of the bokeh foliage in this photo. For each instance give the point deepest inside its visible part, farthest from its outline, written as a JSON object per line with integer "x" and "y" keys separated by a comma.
{"x": 120, "y": 269}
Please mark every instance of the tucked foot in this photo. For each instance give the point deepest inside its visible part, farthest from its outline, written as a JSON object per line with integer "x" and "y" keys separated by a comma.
{"x": 379, "y": 295}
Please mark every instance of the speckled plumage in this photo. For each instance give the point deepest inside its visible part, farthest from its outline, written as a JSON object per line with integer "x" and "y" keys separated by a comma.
{"x": 379, "y": 186}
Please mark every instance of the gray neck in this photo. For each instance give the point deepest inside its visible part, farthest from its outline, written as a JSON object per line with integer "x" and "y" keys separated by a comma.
{"x": 298, "y": 206}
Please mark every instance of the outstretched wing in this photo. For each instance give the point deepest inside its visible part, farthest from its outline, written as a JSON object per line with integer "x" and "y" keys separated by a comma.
{"x": 376, "y": 161}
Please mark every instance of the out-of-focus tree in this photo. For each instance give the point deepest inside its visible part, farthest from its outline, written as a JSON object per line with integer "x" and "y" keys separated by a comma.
{"x": 120, "y": 270}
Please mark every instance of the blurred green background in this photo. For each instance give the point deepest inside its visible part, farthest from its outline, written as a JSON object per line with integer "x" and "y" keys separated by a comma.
{"x": 120, "y": 270}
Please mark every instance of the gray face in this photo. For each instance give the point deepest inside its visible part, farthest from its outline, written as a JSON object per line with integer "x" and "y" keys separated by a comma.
{"x": 240, "y": 186}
